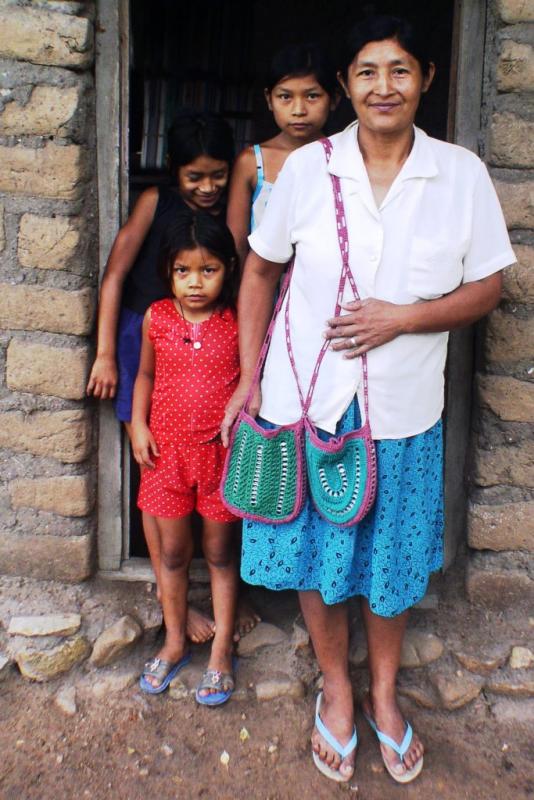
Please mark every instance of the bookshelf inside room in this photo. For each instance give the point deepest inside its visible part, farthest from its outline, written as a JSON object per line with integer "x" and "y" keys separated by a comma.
{"x": 186, "y": 55}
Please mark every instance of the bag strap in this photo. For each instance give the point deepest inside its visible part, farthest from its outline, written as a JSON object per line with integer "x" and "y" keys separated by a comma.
{"x": 284, "y": 286}
{"x": 346, "y": 272}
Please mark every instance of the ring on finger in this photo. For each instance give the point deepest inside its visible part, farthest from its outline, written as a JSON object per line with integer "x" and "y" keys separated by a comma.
{"x": 354, "y": 341}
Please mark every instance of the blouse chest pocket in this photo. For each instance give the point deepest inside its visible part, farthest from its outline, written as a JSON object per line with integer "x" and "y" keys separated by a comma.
{"x": 435, "y": 268}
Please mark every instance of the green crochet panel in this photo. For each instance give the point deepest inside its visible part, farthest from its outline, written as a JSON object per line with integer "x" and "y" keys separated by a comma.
{"x": 262, "y": 475}
{"x": 337, "y": 480}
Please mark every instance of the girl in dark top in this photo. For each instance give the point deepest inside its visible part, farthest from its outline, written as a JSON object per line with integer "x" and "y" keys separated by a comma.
{"x": 201, "y": 150}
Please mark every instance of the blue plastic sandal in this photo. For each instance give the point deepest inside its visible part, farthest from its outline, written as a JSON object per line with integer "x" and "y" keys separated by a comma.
{"x": 401, "y": 750}
{"x": 163, "y": 671}
{"x": 343, "y": 752}
{"x": 222, "y": 682}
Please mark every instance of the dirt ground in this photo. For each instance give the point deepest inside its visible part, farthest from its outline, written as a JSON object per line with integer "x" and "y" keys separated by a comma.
{"x": 130, "y": 747}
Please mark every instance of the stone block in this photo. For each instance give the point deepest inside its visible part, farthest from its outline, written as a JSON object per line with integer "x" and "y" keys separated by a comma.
{"x": 498, "y": 588}
{"x": 45, "y": 625}
{"x": 65, "y": 700}
{"x": 45, "y": 37}
{"x": 2, "y": 229}
{"x": 482, "y": 662}
{"x": 67, "y": 495}
{"x": 502, "y": 527}
{"x": 46, "y": 665}
{"x": 521, "y": 658}
{"x": 517, "y": 200}
{"x": 511, "y": 466}
{"x": 511, "y": 11}
{"x": 55, "y": 558}
{"x": 514, "y": 686}
{"x": 48, "y": 242}
{"x": 424, "y": 696}
{"x": 508, "y": 338}
{"x": 279, "y": 686}
{"x": 263, "y": 635}
{"x": 35, "y": 308}
{"x": 511, "y": 139}
{"x": 5, "y": 667}
{"x": 114, "y": 682}
{"x": 115, "y": 641}
{"x": 456, "y": 689}
{"x": 515, "y": 68}
{"x": 51, "y": 171}
{"x": 518, "y": 284}
{"x": 46, "y": 113}
{"x": 65, "y": 435}
{"x": 44, "y": 369}
{"x": 508, "y": 398}
{"x": 419, "y": 648}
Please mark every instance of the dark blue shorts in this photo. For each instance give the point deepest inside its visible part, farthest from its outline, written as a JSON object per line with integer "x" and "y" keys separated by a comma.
{"x": 129, "y": 336}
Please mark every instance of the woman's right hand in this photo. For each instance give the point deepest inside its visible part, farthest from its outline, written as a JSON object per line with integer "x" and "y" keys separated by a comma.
{"x": 144, "y": 445}
{"x": 234, "y": 406}
{"x": 103, "y": 378}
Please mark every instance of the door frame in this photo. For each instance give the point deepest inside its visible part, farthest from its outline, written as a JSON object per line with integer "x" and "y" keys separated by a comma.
{"x": 112, "y": 88}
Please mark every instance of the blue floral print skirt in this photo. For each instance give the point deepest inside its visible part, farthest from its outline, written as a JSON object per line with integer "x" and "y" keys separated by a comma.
{"x": 388, "y": 557}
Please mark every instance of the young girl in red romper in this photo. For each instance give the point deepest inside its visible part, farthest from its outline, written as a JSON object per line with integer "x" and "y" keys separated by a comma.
{"x": 188, "y": 371}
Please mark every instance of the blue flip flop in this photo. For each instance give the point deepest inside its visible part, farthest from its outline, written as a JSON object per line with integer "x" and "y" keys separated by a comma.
{"x": 163, "y": 671}
{"x": 342, "y": 751}
{"x": 223, "y": 682}
{"x": 401, "y": 750}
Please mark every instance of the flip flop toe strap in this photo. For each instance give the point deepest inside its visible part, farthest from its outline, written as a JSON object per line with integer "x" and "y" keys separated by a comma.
{"x": 213, "y": 679}
{"x": 402, "y": 748}
{"x": 342, "y": 751}
{"x": 157, "y": 668}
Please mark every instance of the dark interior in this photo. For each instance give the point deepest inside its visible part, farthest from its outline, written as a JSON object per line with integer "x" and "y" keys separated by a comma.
{"x": 212, "y": 55}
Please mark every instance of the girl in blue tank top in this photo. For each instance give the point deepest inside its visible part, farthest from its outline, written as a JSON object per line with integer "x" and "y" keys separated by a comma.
{"x": 301, "y": 91}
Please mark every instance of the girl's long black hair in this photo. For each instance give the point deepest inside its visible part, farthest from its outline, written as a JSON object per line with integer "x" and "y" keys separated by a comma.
{"x": 192, "y": 229}
{"x": 299, "y": 60}
{"x": 199, "y": 133}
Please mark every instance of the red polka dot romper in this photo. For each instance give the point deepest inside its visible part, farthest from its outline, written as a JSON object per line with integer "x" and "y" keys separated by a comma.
{"x": 196, "y": 373}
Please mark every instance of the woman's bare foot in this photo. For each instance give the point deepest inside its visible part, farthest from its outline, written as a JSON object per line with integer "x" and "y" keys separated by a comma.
{"x": 246, "y": 619}
{"x": 389, "y": 720}
{"x": 200, "y": 628}
{"x": 337, "y": 714}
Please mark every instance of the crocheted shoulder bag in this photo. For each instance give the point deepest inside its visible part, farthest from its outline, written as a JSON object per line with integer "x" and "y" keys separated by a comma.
{"x": 264, "y": 474}
{"x": 265, "y": 471}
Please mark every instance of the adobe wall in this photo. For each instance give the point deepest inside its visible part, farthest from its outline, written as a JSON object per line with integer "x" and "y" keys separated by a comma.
{"x": 501, "y": 510}
{"x": 48, "y": 276}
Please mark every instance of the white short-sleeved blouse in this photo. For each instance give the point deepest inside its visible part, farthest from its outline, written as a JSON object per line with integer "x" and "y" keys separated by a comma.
{"x": 439, "y": 226}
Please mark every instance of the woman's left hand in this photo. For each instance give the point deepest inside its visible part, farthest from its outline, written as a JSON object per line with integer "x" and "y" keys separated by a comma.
{"x": 368, "y": 323}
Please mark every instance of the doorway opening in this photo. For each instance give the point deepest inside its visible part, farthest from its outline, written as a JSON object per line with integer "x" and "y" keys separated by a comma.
{"x": 212, "y": 55}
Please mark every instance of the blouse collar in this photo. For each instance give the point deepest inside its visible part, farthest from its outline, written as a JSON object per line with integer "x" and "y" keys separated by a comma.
{"x": 347, "y": 160}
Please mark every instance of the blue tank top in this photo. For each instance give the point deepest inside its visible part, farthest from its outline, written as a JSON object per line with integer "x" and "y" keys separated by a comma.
{"x": 262, "y": 192}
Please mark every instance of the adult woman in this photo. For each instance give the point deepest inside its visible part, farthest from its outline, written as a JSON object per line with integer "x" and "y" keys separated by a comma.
{"x": 427, "y": 243}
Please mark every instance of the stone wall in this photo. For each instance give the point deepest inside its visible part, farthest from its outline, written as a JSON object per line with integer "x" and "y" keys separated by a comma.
{"x": 501, "y": 512}
{"x": 48, "y": 274}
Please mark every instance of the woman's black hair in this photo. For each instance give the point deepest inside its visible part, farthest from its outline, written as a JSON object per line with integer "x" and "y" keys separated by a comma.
{"x": 194, "y": 134}
{"x": 193, "y": 229}
{"x": 298, "y": 60}
{"x": 380, "y": 27}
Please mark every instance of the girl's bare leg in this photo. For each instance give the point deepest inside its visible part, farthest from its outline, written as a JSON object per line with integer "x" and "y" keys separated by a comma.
{"x": 200, "y": 628}
{"x": 218, "y": 541}
{"x": 329, "y": 631}
{"x": 384, "y": 642}
{"x": 176, "y": 552}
